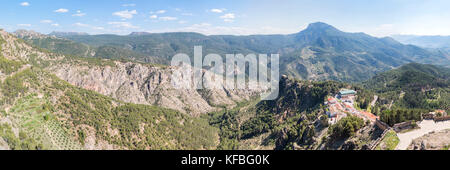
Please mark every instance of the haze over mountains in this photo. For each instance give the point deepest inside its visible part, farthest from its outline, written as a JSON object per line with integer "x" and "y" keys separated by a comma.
{"x": 436, "y": 42}
{"x": 320, "y": 52}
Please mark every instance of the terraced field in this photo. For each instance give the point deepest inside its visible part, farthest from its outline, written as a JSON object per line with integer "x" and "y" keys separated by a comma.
{"x": 31, "y": 116}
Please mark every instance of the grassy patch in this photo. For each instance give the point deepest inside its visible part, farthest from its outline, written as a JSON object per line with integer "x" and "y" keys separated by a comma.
{"x": 446, "y": 148}
{"x": 389, "y": 142}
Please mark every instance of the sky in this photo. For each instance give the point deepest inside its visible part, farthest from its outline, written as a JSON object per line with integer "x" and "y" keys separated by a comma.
{"x": 236, "y": 17}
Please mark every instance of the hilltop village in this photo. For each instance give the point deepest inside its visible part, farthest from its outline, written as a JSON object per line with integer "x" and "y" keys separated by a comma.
{"x": 342, "y": 104}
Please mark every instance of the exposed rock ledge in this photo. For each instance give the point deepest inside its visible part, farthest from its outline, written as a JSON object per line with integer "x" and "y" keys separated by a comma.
{"x": 432, "y": 141}
{"x": 145, "y": 84}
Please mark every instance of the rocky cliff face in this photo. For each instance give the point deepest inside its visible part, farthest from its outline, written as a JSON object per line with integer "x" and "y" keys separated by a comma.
{"x": 66, "y": 117}
{"x": 144, "y": 84}
{"x": 29, "y": 34}
{"x": 129, "y": 82}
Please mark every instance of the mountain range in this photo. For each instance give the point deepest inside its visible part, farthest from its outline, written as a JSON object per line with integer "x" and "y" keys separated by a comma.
{"x": 57, "y": 101}
{"x": 424, "y": 41}
{"x": 80, "y": 91}
{"x": 320, "y": 52}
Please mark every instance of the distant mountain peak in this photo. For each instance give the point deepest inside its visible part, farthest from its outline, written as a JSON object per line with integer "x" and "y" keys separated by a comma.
{"x": 319, "y": 25}
{"x": 62, "y": 34}
{"x": 30, "y": 34}
{"x": 319, "y": 33}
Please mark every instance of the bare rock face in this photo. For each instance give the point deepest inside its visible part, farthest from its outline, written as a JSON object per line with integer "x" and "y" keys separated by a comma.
{"x": 14, "y": 49}
{"x": 432, "y": 141}
{"x": 128, "y": 81}
{"x": 28, "y": 34}
{"x": 145, "y": 84}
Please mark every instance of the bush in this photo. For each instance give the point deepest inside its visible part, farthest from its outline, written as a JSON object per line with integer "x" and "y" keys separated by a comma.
{"x": 346, "y": 127}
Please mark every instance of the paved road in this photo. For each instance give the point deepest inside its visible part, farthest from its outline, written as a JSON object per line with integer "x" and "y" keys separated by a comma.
{"x": 426, "y": 127}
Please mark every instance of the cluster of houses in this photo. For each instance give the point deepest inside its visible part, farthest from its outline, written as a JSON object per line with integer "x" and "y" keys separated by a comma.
{"x": 436, "y": 115}
{"x": 347, "y": 94}
{"x": 336, "y": 108}
{"x": 342, "y": 104}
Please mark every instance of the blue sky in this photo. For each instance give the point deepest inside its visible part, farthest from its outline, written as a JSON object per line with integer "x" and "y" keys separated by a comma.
{"x": 238, "y": 17}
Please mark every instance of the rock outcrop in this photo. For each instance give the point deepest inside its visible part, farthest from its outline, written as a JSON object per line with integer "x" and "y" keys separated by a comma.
{"x": 129, "y": 81}
{"x": 432, "y": 141}
{"x": 145, "y": 84}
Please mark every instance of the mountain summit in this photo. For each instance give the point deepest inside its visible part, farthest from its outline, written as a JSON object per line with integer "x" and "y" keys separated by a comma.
{"x": 320, "y": 27}
{"x": 63, "y": 34}
{"x": 24, "y": 34}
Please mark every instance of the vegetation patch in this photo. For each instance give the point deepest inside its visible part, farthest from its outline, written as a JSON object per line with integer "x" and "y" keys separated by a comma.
{"x": 389, "y": 142}
{"x": 8, "y": 66}
{"x": 346, "y": 127}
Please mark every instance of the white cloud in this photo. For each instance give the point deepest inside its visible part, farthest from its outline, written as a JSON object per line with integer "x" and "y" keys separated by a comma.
{"x": 187, "y": 14}
{"x": 208, "y": 29}
{"x": 125, "y": 14}
{"x": 81, "y": 24}
{"x": 46, "y": 21}
{"x": 228, "y": 17}
{"x": 168, "y": 18}
{"x": 154, "y": 16}
{"x": 203, "y": 25}
{"x": 50, "y": 22}
{"x": 98, "y": 28}
{"x": 88, "y": 26}
{"x": 161, "y": 11}
{"x": 61, "y": 10}
{"x": 79, "y": 14}
{"x": 182, "y": 22}
{"x": 218, "y": 10}
{"x": 25, "y": 4}
{"x": 129, "y": 5}
{"x": 24, "y": 25}
{"x": 122, "y": 25}
{"x": 228, "y": 20}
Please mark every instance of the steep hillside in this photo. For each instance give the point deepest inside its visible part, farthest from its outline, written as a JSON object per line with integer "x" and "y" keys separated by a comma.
{"x": 53, "y": 42}
{"x": 320, "y": 52}
{"x": 147, "y": 84}
{"x": 41, "y": 111}
{"x": 413, "y": 86}
{"x": 324, "y": 52}
{"x": 128, "y": 81}
{"x": 297, "y": 119}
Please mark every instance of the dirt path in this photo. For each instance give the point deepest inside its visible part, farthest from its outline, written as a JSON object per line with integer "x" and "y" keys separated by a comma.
{"x": 375, "y": 98}
{"x": 426, "y": 127}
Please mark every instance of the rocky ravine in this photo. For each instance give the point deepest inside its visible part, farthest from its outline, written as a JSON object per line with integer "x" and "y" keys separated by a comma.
{"x": 145, "y": 84}
{"x": 129, "y": 82}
